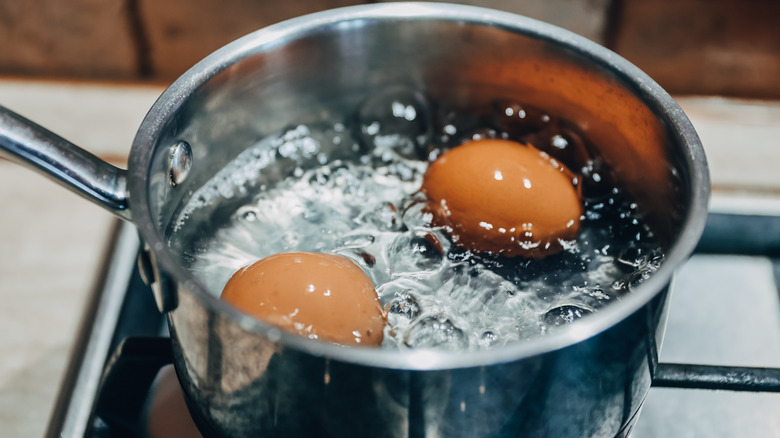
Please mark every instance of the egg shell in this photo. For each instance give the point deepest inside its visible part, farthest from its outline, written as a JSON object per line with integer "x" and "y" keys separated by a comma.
{"x": 319, "y": 296}
{"x": 504, "y": 197}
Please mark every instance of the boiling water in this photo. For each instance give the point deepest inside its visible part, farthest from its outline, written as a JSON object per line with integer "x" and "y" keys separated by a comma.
{"x": 352, "y": 189}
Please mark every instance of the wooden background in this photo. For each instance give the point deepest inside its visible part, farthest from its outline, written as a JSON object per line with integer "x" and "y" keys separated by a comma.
{"x": 710, "y": 47}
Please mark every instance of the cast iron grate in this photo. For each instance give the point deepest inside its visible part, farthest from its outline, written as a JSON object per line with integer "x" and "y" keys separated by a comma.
{"x": 139, "y": 350}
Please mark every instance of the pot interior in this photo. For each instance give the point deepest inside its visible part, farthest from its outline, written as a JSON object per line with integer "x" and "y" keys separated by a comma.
{"x": 325, "y": 73}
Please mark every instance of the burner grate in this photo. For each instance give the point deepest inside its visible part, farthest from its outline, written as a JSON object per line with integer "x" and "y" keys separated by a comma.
{"x": 675, "y": 375}
{"x": 123, "y": 318}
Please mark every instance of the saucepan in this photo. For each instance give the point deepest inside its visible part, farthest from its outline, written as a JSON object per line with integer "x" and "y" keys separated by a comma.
{"x": 244, "y": 378}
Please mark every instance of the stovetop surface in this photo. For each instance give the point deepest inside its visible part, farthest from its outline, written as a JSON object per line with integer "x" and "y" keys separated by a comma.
{"x": 725, "y": 310}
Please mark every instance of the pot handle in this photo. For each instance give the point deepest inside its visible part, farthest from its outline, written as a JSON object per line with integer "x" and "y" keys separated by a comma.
{"x": 29, "y": 144}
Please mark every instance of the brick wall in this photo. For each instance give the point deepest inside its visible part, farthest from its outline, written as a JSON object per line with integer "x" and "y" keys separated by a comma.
{"x": 724, "y": 47}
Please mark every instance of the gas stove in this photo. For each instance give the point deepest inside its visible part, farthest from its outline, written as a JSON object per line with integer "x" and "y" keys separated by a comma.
{"x": 718, "y": 374}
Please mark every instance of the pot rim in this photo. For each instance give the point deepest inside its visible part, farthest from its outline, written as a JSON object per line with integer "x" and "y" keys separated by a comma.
{"x": 645, "y": 88}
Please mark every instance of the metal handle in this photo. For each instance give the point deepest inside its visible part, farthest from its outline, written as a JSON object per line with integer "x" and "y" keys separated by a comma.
{"x": 29, "y": 144}
{"x": 673, "y": 375}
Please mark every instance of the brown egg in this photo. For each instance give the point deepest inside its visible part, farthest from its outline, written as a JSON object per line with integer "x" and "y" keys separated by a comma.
{"x": 319, "y": 296}
{"x": 503, "y": 197}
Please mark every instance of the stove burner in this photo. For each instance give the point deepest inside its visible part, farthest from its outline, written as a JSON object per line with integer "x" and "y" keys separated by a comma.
{"x": 103, "y": 396}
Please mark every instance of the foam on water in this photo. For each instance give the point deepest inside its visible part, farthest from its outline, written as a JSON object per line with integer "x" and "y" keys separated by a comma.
{"x": 364, "y": 204}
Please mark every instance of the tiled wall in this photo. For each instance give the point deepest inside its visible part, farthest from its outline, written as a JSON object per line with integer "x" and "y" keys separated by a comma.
{"x": 724, "y": 47}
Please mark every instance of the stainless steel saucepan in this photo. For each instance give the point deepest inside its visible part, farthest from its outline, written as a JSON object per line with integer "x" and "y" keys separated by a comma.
{"x": 244, "y": 378}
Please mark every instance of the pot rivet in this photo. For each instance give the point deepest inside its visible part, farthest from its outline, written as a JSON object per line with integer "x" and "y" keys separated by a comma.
{"x": 179, "y": 163}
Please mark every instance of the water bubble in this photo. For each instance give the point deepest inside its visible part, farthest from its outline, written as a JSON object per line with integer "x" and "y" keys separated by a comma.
{"x": 384, "y": 216}
{"x": 388, "y": 291}
{"x": 297, "y": 144}
{"x": 415, "y": 252}
{"x": 314, "y": 212}
{"x": 397, "y": 120}
{"x": 414, "y": 214}
{"x": 327, "y": 175}
{"x": 634, "y": 279}
{"x": 404, "y": 304}
{"x": 388, "y": 147}
{"x": 563, "y": 315}
{"x": 493, "y": 290}
{"x": 559, "y": 142}
{"x": 458, "y": 254}
{"x": 453, "y": 127}
{"x": 400, "y": 170}
{"x": 517, "y": 119}
{"x": 508, "y": 288}
{"x": 335, "y": 143}
{"x": 434, "y": 153}
{"x": 650, "y": 264}
{"x": 372, "y": 128}
{"x": 488, "y": 339}
{"x": 320, "y": 176}
{"x": 359, "y": 240}
{"x": 632, "y": 257}
{"x": 436, "y": 332}
{"x": 641, "y": 264}
{"x": 291, "y": 239}
{"x": 482, "y": 134}
{"x": 591, "y": 297}
{"x": 596, "y": 292}
{"x": 595, "y": 182}
{"x": 247, "y": 214}
{"x": 619, "y": 285}
{"x": 564, "y": 142}
{"x": 346, "y": 178}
